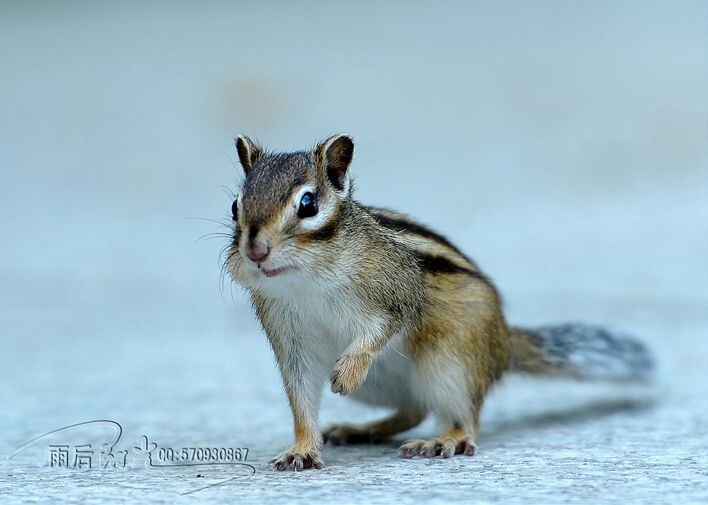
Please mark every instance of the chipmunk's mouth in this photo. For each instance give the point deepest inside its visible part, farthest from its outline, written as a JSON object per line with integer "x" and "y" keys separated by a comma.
{"x": 273, "y": 272}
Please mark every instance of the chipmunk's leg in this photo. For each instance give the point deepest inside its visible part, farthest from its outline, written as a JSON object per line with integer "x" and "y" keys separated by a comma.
{"x": 305, "y": 451}
{"x": 455, "y": 391}
{"x": 459, "y": 412}
{"x": 374, "y": 432}
{"x": 303, "y": 385}
{"x": 453, "y": 382}
{"x": 460, "y": 351}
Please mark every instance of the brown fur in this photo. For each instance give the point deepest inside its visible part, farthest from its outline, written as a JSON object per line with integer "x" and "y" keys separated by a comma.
{"x": 415, "y": 280}
{"x": 396, "y": 275}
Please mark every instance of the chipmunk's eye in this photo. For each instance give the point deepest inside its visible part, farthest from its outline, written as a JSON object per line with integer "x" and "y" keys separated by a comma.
{"x": 234, "y": 210}
{"x": 308, "y": 206}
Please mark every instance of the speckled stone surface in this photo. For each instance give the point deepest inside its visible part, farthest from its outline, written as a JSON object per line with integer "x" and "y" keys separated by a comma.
{"x": 541, "y": 441}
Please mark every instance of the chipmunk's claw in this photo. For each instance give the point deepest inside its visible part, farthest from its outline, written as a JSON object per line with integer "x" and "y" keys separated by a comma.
{"x": 445, "y": 448}
{"x": 291, "y": 460}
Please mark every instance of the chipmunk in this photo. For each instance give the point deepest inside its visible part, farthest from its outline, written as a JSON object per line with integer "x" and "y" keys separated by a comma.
{"x": 384, "y": 309}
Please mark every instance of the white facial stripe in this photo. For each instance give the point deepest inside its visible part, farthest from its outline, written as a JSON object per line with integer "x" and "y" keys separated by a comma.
{"x": 326, "y": 209}
{"x": 239, "y": 205}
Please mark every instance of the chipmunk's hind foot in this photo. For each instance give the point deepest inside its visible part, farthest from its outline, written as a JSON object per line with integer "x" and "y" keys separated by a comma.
{"x": 371, "y": 433}
{"x": 453, "y": 442}
{"x": 348, "y": 434}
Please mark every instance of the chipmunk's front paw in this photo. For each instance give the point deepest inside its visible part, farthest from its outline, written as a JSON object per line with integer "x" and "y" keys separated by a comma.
{"x": 349, "y": 372}
{"x": 296, "y": 461}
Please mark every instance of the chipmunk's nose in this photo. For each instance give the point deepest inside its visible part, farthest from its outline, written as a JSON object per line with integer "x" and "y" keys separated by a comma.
{"x": 258, "y": 252}
{"x": 258, "y": 248}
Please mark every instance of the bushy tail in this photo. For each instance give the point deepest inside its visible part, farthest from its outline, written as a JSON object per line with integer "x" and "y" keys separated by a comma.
{"x": 580, "y": 351}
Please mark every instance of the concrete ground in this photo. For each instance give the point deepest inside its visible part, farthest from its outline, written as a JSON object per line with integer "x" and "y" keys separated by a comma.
{"x": 564, "y": 148}
{"x": 541, "y": 441}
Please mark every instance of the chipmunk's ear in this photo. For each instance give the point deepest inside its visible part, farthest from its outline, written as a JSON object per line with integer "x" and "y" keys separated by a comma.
{"x": 248, "y": 152}
{"x": 335, "y": 155}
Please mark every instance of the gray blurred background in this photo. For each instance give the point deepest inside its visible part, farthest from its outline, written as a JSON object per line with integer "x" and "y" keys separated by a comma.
{"x": 563, "y": 145}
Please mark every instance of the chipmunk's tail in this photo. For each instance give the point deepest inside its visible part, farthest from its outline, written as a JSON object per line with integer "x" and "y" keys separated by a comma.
{"x": 580, "y": 351}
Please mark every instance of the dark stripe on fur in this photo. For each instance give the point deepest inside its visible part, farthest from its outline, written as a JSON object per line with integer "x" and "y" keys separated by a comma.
{"x": 431, "y": 263}
{"x": 327, "y": 231}
{"x": 403, "y": 225}
{"x": 441, "y": 265}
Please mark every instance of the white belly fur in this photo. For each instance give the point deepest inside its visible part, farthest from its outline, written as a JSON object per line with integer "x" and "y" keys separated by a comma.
{"x": 389, "y": 381}
{"x": 326, "y": 324}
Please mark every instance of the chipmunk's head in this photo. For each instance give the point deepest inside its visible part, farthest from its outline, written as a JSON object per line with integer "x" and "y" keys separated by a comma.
{"x": 288, "y": 209}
